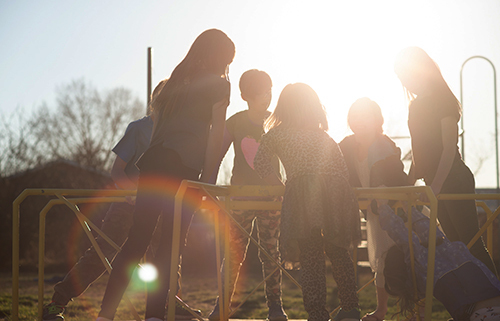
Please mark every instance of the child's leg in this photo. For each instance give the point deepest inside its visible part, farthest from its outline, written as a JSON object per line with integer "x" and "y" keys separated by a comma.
{"x": 238, "y": 245}
{"x": 116, "y": 226}
{"x": 343, "y": 273}
{"x": 268, "y": 230}
{"x": 382, "y": 298}
{"x": 313, "y": 281}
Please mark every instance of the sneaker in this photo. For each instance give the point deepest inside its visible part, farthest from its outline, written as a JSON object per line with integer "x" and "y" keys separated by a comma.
{"x": 344, "y": 315}
{"x": 276, "y": 312}
{"x": 53, "y": 312}
{"x": 182, "y": 313}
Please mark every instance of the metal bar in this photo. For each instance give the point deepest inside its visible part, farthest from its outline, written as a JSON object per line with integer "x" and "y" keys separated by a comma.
{"x": 489, "y": 240}
{"x": 233, "y": 311}
{"x": 359, "y": 291}
{"x": 41, "y": 255}
{"x": 15, "y": 251}
{"x": 174, "y": 261}
{"x": 484, "y": 227}
{"x": 412, "y": 253}
{"x": 227, "y": 254}
{"x": 222, "y": 300}
{"x": 496, "y": 113}
{"x": 454, "y": 197}
{"x": 261, "y": 248}
{"x": 103, "y": 259}
{"x": 149, "y": 79}
{"x": 431, "y": 253}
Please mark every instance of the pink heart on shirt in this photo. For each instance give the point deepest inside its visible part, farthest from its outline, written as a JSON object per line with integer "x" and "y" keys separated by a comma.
{"x": 249, "y": 147}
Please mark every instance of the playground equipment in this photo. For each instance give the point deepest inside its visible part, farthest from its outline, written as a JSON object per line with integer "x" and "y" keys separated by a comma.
{"x": 495, "y": 115}
{"x": 220, "y": 199}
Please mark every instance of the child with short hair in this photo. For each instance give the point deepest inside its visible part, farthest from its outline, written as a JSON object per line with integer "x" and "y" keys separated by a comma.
{"x": 372, "y": 159}
{"x": 244, "y": 130}
{"x": 320, "y": 212}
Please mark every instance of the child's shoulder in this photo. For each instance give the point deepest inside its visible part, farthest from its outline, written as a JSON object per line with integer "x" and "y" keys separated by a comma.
{"x": 348, "y": 140}
{"x": 239, "y": 115}
{"x": 143, "y": 122}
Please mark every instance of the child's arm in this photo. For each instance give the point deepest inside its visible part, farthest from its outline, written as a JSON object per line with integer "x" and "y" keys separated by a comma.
{"x": 214, "y": 144}
{"x": 273, "y": 179}
{"x": 411, "y": 175}
{"x": 226, "y": 143}
{"x": 395, "y": 227}
{"x": 121, "y": 179}
{"x": 263, "y": 162}
{"x": 421, "y": 225}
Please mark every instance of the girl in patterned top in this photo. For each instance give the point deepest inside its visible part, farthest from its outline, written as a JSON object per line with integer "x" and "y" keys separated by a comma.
{"x": 319, "y": 212}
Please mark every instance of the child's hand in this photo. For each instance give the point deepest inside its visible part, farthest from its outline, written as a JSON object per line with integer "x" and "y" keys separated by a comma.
{"x": 130, "y": 200}
{"x": 376, "y": 204}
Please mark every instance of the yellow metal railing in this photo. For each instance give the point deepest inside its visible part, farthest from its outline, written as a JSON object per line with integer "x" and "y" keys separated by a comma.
{"x": 15, "y": 234}
{"x": 220, "y": 199}
{"x": 95, "y": 196}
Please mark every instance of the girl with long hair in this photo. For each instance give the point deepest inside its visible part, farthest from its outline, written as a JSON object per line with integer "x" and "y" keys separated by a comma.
{"x": 433, "y": 118}
{"x": 189, "y": 115}
{"x": 319, "y": 211}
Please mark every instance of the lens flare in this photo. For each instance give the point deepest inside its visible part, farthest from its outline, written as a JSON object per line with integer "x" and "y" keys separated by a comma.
{"x": 147, "y": 272}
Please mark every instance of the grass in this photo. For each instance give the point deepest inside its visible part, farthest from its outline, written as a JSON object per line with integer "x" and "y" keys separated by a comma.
{"x": 198, "y": 291}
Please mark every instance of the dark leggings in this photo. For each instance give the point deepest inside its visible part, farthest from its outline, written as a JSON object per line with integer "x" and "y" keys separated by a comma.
{"x": 161, "y": 174}
{"x": 313, "y": 278}
{"x": 459, "y": 218}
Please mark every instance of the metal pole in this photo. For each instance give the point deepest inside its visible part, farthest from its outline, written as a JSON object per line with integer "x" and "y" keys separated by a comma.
{"x": 496, "y": 113}
{"x": 150, "y": 73}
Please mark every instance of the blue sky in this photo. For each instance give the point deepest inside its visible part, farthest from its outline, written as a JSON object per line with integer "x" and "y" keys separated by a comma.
{"x": 343, "y": 49}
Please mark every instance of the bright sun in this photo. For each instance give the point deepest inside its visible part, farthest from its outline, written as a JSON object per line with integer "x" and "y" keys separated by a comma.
{"x": 341, "y": 58}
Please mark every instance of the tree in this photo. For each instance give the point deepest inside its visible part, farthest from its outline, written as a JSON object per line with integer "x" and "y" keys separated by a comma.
{"x": 82, "y": 127}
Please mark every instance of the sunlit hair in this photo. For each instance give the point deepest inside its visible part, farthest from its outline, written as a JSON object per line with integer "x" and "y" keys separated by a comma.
{"x": 298, "y": 107}
{"x": 254, "y": 82}
{"x": 397, "y": 280}
{"x": 414, "y": 64}
{"x": 155, "y": 93}
{"x": 367, "y": 108}
{"x": 211, "y": 52}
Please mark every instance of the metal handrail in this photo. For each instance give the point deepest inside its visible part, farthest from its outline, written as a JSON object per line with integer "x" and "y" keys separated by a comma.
{"x": 408, "y": 194}
{"x": 495, "y": 116}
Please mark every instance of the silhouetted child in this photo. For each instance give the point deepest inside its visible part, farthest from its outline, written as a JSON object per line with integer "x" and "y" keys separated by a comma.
{"x": 189, "y": 113}
{"x": 244, "y": 131}
{"x": 116, "y": 223}
{"x": 319, "y": 212}
{"x": 433, "y": 116}
{"x": 372, "y": 159}
{"x": 465, "y": 286}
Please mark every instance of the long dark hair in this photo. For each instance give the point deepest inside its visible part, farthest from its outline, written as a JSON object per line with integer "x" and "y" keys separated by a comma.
{"x": 398, "y": 282}
{"x": 415, "y": 64}
{"x": 211, "y": 52}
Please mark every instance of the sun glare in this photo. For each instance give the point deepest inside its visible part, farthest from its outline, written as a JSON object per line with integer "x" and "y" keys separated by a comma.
{"x": 147, "y": 272}
{"x": 343, "y": 55}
